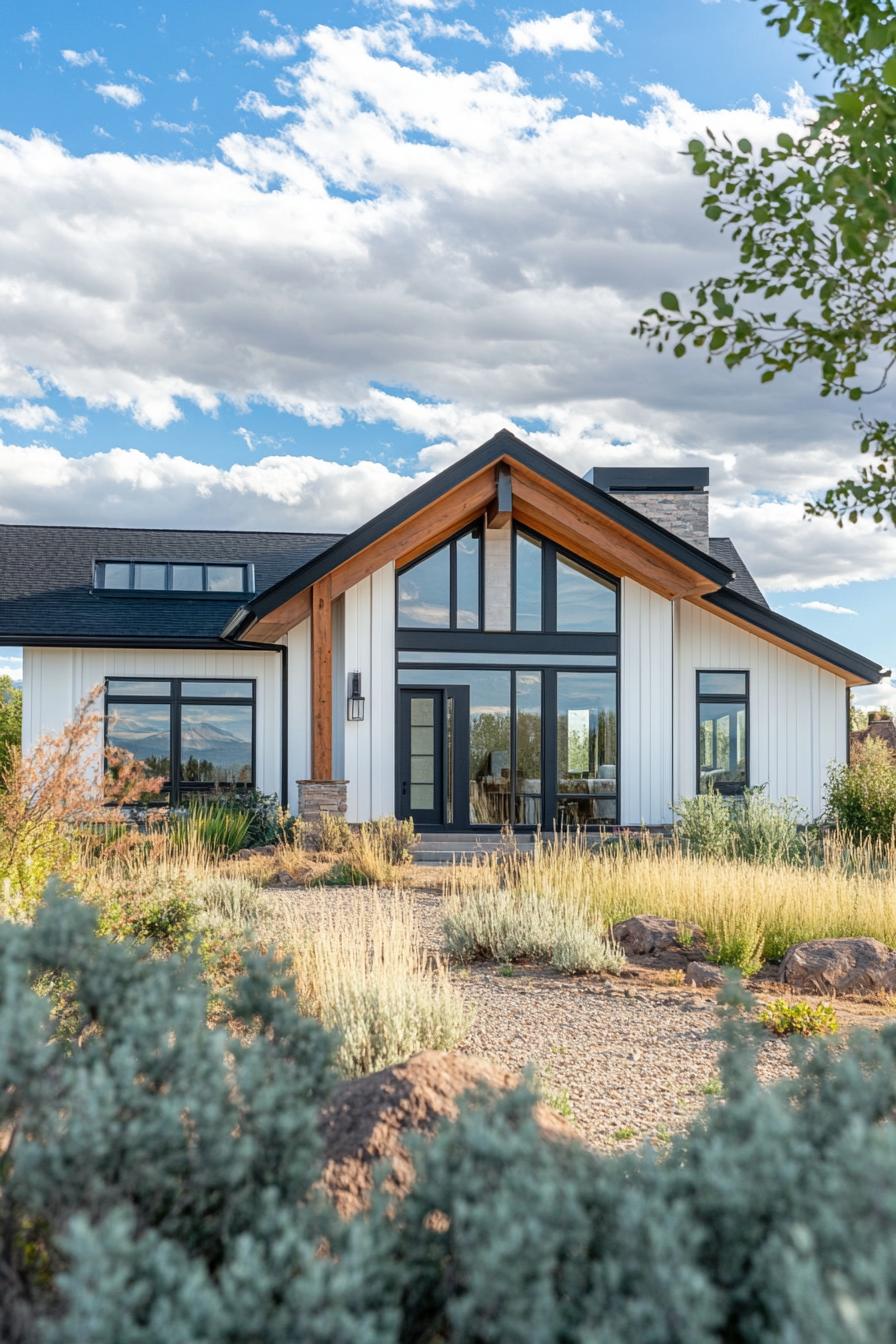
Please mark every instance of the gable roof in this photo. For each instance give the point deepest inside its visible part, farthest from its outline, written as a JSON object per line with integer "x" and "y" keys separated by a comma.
{"x": 46, "y": 582}
{"x": 503, "y": 446}
{"x": 46, "y": 573}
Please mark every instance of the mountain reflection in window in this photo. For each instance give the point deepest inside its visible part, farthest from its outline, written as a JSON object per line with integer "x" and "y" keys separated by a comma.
{"x": 216, "y": 744}
{"x": 144, "y": 731}
{"x": 196, "y": 733}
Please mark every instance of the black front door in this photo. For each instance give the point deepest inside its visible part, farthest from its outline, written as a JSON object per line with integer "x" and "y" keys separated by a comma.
{"x": 421, "y": 771}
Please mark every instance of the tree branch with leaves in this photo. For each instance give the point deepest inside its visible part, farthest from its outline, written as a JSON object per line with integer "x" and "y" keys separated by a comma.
{"x": 814, "y": 219}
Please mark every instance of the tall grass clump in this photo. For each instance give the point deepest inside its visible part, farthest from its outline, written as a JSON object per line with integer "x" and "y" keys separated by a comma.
{"x": 487, "y": 919}
{"x": 215, "y": 824}
{"x": 860, "y": 798}
{"x": 361, "y": 969}
{"x": 750, "y": 912}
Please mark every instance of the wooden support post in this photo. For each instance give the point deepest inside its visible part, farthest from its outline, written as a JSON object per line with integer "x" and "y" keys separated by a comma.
{"x": 322, "y": 679}
{"x": 500, "y": 510}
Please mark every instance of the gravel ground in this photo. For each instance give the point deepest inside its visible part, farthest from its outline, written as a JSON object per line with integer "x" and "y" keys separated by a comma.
{"x": 626, "y": 1058}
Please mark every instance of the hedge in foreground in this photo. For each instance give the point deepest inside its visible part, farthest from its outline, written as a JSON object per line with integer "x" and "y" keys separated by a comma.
{"x": 158, "y": 1186}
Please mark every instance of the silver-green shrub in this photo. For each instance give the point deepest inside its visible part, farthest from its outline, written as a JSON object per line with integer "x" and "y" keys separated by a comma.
{"x": 157, "y": 1186}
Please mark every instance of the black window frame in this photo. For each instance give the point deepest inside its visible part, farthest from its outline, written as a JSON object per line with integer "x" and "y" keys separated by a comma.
{"x": 478, "y": 530}
{"x": 550, "y": 795}
{"x": 175, "y": 787}
{"x": 549, "y": 553}
{"x": 228, "y": 594}
{"x": 727, "y": 790}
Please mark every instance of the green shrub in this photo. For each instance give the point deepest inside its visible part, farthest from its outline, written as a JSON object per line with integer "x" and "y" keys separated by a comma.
{"x": 766, "y": 832}
{"x": 860, "y": 798}
{"x": 160, "y": 1186}
{"x": 267, "y": 819}
{"x": 751, "y": 827}
{"x": 704, "y": 824}
{"x": 795, "y": 1017}
{"x": 164, "y": 917}
{"x": 10, "y": 720}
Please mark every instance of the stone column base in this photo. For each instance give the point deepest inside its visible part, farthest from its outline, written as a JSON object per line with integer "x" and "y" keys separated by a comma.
{"x": 317, "y": 796}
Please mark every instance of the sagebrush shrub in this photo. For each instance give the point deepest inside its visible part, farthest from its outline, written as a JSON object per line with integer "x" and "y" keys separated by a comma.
{"x": 486, "y": 920}
{"x": 160, "y": 1185}
{"x": 860, "y": 798}
{"x": 704, "y": 824}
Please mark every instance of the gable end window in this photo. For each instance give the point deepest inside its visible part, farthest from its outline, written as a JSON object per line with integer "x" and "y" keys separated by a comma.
{"x": 723, "y": 732}
{"x": 162, "y": 576}
{"x": 197, "y": 733}
{"x": 557, "y": 593}
{"x": 443, "y": 590}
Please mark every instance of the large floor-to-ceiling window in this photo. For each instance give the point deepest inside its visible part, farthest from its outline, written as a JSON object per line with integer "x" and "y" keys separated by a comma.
{"x": 524, "y": 720}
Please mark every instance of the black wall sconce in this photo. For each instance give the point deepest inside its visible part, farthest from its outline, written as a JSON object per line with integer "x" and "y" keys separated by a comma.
{"x": 355, "y": 699}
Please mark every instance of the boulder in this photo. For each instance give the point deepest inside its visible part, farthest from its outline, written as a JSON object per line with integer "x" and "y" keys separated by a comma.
{"x": 646, "y": 935}
{"x": 366, "y": 1120}
{"x": 840, "y": 966}
{"x": 704, "y": 975}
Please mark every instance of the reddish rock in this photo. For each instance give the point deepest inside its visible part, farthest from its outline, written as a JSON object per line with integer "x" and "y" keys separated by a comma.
{"x": 646, "y": 935}
{"x": 367, "y": 1118}
{"x": 840, "y": 966}
{"x": 704, "y": 975}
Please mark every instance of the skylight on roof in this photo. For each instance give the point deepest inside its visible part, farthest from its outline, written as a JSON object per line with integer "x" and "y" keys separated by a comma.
{"x": 173, "y": 576}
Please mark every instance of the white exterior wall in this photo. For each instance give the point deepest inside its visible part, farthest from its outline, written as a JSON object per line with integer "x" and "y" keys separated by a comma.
{"x": 645, "y": 707}
{"x": 368, "y": 647}
{"x": 55, "y": 681}
{"x": 797, "y": 710}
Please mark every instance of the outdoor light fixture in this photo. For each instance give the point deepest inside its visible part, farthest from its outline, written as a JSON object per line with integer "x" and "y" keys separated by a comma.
{"x": 355, "y": 699}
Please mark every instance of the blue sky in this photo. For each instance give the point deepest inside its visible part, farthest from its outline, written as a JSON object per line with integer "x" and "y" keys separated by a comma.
{"x": 273, "y": 266}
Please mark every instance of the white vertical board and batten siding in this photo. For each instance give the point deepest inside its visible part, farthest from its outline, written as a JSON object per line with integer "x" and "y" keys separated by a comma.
{"x": 368, "y": 640}
{"x": 55, "y": 682}
{"x": 797, "y": 709}
{"x": 645, "y": 706}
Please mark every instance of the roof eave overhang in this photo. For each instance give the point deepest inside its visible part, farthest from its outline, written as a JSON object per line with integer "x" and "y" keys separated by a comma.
{"x": 503, "y": 447}
{"x": 853, "y": 667}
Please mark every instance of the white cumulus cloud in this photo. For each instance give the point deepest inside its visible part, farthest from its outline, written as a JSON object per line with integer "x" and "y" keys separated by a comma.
{"x": 123, "y": 94}
{"x": 79, "y": 59}
{"x": 578, "y": 30}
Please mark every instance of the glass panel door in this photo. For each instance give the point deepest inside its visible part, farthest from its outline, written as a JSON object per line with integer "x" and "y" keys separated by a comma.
{"x": 421, "y": 790}
{"x": 586, "y": 748}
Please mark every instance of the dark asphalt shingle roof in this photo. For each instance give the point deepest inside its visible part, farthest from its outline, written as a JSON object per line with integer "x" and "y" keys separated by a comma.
{"x": 46, "y": 574}
{"x": 724, "y": 550}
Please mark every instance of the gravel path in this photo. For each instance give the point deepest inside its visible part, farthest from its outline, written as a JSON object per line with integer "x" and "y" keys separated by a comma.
{"x": 626, "y": 1058}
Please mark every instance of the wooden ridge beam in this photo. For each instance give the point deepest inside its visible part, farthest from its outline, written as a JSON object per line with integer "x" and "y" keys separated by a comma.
{"x": 500, "y": 510}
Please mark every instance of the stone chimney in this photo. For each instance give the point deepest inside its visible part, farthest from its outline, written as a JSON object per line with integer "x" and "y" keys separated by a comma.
{"x": 675, "y": 497}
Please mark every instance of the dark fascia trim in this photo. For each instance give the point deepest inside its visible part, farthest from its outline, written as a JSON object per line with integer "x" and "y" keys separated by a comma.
{"x": 502, "y": 444}
{"x": 81, "y": 641}
{"x": 798, "y": 635}
{"x": 645, "y": 479}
